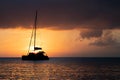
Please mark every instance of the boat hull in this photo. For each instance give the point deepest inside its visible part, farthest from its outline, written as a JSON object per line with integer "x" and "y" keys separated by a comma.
{"x": 33, "y": 58}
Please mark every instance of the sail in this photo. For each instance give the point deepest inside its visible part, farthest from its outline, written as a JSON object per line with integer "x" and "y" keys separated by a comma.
{"x": 37, "y": 48}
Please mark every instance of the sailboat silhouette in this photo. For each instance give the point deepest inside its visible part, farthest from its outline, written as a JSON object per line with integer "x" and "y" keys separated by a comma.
{"x": 38, "y": 53}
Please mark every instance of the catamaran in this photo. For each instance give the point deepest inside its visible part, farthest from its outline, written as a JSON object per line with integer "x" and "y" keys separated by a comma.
{"x": 37, "y": 53}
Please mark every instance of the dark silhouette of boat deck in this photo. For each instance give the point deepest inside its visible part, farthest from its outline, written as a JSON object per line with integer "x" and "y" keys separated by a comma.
{"x": 35, "y": 56}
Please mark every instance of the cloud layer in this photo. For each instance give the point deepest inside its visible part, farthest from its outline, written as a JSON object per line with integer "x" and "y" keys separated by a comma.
{"x": 92, "y": 15}
{"x": 61, "y": 14}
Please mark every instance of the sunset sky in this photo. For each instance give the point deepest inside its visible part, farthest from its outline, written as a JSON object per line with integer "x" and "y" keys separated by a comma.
{"x": 67, "y": 28}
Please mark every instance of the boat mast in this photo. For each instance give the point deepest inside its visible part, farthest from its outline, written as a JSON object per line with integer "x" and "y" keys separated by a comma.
{"x": 35, "y": 30}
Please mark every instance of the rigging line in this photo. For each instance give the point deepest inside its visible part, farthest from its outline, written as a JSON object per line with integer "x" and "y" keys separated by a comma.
{"x": 35, "y": 30}
{"x": 30, "y": 40}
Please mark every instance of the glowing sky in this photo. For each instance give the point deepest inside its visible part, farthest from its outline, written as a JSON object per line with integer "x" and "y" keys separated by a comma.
{"x": 66, "y": 27}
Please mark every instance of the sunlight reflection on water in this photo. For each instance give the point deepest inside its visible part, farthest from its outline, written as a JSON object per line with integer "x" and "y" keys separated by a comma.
{"x": 57, "y": 70}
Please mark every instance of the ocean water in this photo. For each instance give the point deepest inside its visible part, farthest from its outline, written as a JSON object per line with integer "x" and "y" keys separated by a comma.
{"x": 60, "y": 69}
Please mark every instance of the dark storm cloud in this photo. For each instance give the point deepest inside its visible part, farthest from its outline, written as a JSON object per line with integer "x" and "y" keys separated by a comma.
{"x": 61, "y": 14}
{"x": 96, "y": 33}
{"x": 107, "y": 39}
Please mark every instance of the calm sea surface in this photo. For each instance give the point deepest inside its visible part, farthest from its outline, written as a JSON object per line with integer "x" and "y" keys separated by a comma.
{"x": 60, "y": 69}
